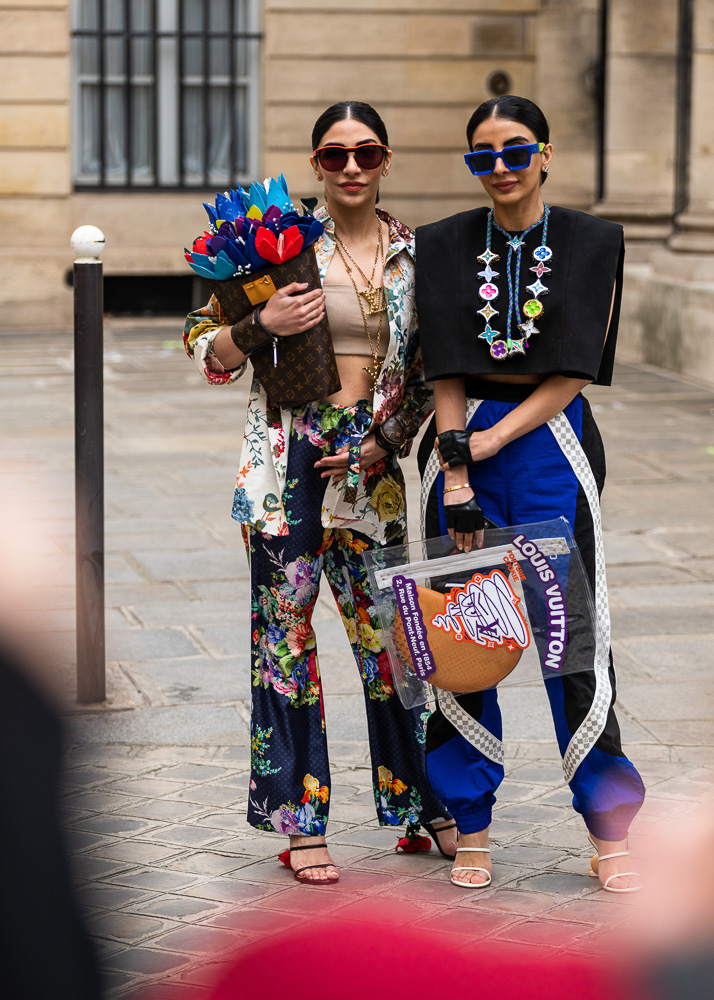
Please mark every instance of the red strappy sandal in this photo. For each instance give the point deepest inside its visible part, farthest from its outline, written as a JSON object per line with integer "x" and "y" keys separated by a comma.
{"x": 284, "y": 856}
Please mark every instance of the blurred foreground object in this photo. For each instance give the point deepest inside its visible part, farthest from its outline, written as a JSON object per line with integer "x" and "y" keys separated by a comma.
{"x": 426, "y": 964}
{"x": 88, "y": 243}
{"x": 45, "y": 951}
{"x": 675, "y": 930}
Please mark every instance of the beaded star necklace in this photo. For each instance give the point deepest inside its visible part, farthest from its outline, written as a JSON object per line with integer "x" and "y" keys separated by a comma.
{"x": 501, "y": 349}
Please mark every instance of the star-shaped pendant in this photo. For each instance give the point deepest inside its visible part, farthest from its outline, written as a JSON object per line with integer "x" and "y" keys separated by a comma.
{"x": 528, "y": 329}
{"x": 516, "y": 243}
{"x": 537, "y": 288}
{"x": 488, "y": 311}
{"x": 488, "y": 334}
{"x": 517, "y": 346}
{"x": 540, "y": 269}
{"x": 488, "y": 273}
{"x": 487, "y": 257}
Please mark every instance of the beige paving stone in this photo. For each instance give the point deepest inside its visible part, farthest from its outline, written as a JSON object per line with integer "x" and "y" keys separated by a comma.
{"x": 183, "y": 835}
{"x": 175, "y": 907}
{"x": 231, "y": 891}
{"x": 148, "y": 786}
{"x": 102, "y": 895}
{"x": 128, "y": 927}
{"x": 164, "y": 809}
{"x": 298, "y": 900}
{"x": 156, "y": 879}
{"x": 511, "y": 901}
{"x": 403, "y": 864}
{"x": 593, "y": 910}
{"x": 542, "y": 931}
{"x": 135, "y": 851}
{"x": 198, "y": 940}
{"x": 476, "y": 923}
{"x": 208, "y": 863}
{"x": 212, "y": 795}
{"x": 252, "y": 843}
{"x": 146, "y": 962}
{"x": 174, "y": 753}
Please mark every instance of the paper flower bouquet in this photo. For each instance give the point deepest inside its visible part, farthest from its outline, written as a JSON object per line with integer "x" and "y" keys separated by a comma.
{"x": 250, "y": 230}
{"x": 256, "y": 243}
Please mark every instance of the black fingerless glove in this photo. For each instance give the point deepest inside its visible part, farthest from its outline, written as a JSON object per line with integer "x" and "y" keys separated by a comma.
{"x": 248, "y": 334}
{"x": 464, "y": 517}
{"x": 454, "y": 447}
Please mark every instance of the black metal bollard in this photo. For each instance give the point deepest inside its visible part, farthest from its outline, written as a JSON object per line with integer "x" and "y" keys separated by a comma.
{"x": 88, "y": 242}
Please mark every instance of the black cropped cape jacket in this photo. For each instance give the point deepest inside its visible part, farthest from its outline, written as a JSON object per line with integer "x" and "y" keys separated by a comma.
{"x": 587, "y": 262}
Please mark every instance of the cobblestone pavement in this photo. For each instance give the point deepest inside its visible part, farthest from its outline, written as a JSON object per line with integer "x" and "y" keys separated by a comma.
{"x": 172, "y": 879}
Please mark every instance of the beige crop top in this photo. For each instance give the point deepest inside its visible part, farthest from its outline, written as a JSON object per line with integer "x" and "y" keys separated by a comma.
{"x": 346, "y": 324}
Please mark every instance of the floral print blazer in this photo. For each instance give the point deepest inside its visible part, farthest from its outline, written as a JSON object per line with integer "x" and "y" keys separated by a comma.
{"x": 264, "y": 457}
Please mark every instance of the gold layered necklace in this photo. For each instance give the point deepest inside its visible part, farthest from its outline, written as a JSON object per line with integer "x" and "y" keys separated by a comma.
{"x": 371, "y": 296}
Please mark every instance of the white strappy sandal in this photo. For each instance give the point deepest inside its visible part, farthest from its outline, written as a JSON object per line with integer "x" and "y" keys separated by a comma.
{"x": 471, "y": 868}
{"x": 606, "y": 857}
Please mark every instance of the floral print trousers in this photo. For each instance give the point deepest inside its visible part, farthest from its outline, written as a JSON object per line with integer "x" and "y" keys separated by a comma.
{"x": 290, "y": 771}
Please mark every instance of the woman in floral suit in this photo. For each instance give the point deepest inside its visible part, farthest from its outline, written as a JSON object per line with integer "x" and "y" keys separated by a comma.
{"x": 300, "y": 517}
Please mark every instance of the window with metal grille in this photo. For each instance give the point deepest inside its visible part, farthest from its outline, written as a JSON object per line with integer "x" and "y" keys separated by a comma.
{"x": 165, "y": 93}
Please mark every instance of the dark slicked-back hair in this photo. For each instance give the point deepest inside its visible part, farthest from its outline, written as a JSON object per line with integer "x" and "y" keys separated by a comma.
{"x": 343, "y": 111}
{"x": 512, "y": 108}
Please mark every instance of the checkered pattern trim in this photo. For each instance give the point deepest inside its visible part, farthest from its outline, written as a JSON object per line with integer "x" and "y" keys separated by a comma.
{"x": 432, "y": 469}
{"x": 477, "y": 735}
{"x": 594, "y": 722}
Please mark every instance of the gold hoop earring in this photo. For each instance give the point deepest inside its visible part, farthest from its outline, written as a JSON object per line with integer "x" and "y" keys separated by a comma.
{"x": 319, "y": 177}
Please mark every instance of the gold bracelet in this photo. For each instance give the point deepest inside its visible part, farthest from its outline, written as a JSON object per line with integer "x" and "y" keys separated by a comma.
{"x": 464, "y": 486}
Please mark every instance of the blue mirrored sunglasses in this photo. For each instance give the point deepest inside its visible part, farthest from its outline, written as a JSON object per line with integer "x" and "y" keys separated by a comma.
{"x": 483, "y": 161}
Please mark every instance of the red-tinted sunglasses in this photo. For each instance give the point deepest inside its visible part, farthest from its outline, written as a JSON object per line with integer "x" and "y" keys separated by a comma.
{"x": 367, "y": 157}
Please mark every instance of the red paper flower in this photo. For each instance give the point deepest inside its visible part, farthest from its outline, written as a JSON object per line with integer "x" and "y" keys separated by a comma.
{"x": 277, "y": 249}
{"x": 199, "y": 244}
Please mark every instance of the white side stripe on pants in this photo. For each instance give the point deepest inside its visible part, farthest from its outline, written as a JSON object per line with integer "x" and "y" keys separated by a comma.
{"x": 594, "y": 722}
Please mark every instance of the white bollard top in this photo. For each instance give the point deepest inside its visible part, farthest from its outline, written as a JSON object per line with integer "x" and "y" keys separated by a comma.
{"x": 88, "y": 243}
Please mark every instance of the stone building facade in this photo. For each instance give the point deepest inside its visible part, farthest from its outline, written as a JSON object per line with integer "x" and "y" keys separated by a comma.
{"x": 624, "y": 83}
